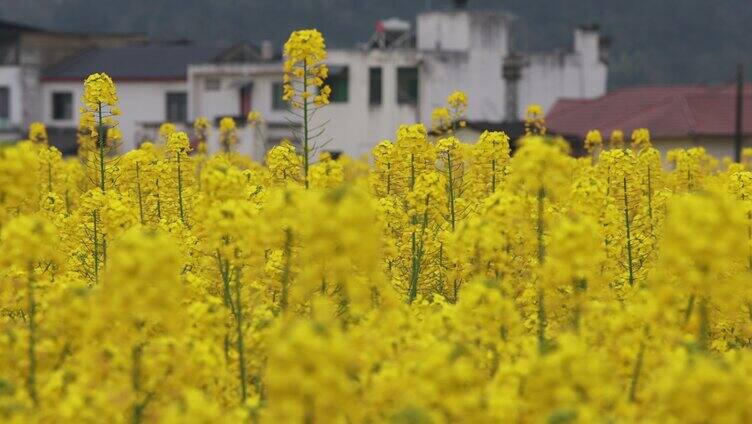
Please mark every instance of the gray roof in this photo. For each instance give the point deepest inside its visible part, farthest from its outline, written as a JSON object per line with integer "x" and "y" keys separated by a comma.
{"x": 17, "y": 27}
{"x": 148, "y": 61}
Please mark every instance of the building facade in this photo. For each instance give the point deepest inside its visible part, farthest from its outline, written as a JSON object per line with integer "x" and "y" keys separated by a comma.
{"x": 399, "y": 76}
{"x": 25, "y": 52}
{"x": 402, "y": 74}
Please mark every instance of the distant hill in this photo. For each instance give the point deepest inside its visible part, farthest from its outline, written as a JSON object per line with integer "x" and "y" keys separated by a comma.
{"x": 654, "y": 41}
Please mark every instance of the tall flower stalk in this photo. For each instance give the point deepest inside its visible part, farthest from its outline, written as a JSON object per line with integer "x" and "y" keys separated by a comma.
{"x": 178, "y": 145}
{"x": 304, "y": 89}
{"x": 98, "y": 118}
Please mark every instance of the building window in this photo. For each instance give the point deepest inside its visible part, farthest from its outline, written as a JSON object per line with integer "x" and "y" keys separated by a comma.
{"x": 177, "y": 107}
{"x": 278, "y": 92}
{"x": 62, "y": 106}
{"x": 339, "y": 81}
{"x": 374, "y": 86}
{"x": 212, "y": 84}
{"x": 4, "y": 104}
{"x": 246, "y": 99}
{"x": 407, "y": 85}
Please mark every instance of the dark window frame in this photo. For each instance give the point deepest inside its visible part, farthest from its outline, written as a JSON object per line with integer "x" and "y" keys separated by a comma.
{"x": 62, "y": 105}
{"x": 375, "y": 86}
{"x": 179, "y": 100}
{"x": 278, "y": 92}
{"x": 5, "y": 106}
{"x": 339, "y": 81}
{"x": 408, "y": 85}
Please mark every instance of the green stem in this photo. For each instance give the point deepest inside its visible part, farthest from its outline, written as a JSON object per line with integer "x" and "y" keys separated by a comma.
{"x": 413, "y": 289}
{"x": 540, "y": 225}
{"x": 31, "y": 382}
{"x": 239, "y": 330}
{"x": 417, "y": 259}
{"x": 636, "y": 371}
{"x": 180, "y": 190}
{"x": 159, "y": 202}
{"x": 542, "y": 322}
{"x": 703, "y": 336}
{"x": 139, "y": 193}
{"x": 96, "y": 246}
{"x": 224, "y": 273}
{"x": 493, "y": 176}
{"x": 286, "y": 269}
{"x": 223, "y": 266}
{"x": 138, "y": 404}
{"x": 689, "y": 309}
{"x": 579, "y": 286}
{"x": 629, "y": 235}
{"x": 101, "y": 139}
{"x": 104, "y": 251}
{"x": 450, "y": 190}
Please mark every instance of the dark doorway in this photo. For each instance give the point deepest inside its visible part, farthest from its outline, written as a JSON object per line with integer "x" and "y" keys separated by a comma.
{"x": 246, "y": 99}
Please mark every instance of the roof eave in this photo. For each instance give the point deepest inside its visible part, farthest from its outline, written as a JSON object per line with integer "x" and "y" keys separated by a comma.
{"x": 117, "y": 79}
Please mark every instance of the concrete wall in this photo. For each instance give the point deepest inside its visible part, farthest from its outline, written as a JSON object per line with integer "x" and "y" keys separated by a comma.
{"x": 463, "y": 51}
{"x": 352, "y": 127}
{"x": 578, "y": 74}
{"x": 454, "y": 31}
{"x": 456, "y": 50}
{"x": 142, "y": 104}
{"x": 11, "y": 77}
{"x": 356, "y": 126}
{"x": 215, "y": 103}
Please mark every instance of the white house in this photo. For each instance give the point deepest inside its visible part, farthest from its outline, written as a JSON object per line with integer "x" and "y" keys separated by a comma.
{"x": 25, "y": 51}
{"x": 402, "y": 74}
{"x": 151, "y": 83}
{"x": 399, "y": 76}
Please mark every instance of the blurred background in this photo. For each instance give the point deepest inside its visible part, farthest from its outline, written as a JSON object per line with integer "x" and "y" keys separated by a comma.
{"x": 654, "y": 41}
{"x": 676, "y": 67}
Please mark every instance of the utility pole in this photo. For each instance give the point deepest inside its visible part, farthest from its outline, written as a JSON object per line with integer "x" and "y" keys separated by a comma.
{"x": 739, "y": 131}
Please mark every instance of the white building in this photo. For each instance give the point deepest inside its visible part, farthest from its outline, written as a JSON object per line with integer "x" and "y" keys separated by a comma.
{"x": 151, "y": 80}
{"x": 399, "y": 76}
{"x": 25, "y": 51}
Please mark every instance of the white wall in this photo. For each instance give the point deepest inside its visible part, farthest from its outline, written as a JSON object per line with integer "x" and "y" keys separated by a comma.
{"x": 356, "y": 126}
{"x": 11, "y": 76}
{"x": 579, "y": 74}
{"x": 457, "y": 50}
{"x": 140, "y": 102}
{"x": 443, "y": 30}
{"x": 225, "y": 100}
{"x": 472, "y": 64}
{"x": 353, "y": 127}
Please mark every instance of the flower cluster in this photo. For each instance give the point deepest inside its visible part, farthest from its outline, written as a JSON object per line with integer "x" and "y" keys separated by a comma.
{"x": 447, "y": 119}
{"x": 305, "y": 70}
{"x": 446, "y": 280}
{"x": 38, "y": 133}
{"x": 228, "y": 133}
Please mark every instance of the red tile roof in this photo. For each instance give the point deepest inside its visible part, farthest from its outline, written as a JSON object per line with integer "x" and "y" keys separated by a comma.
{"x": 667, "y": 111}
